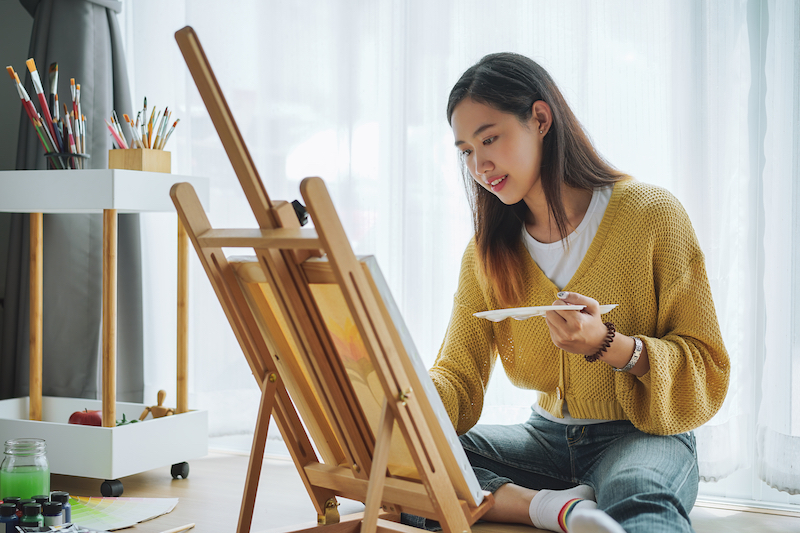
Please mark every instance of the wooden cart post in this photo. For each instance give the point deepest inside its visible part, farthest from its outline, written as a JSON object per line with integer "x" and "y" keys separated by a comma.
{"x": 36, "y": 317}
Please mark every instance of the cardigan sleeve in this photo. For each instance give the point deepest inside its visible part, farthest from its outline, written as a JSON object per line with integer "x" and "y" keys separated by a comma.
{"x": 689, "y": 365}
{"x": 465, "y": 360}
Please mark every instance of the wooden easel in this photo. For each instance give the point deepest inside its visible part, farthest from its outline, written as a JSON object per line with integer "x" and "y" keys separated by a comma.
{"x": 282, "y": 305}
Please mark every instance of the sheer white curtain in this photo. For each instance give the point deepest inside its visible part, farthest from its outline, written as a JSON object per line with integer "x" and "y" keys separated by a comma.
{"x": 699, "y": 97}
{"x": 779, "y": 415}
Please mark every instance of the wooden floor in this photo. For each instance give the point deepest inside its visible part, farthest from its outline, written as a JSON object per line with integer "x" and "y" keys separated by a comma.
{"x": 211, "y": 495}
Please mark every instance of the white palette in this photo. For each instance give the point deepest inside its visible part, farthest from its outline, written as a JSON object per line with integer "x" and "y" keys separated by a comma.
{"x": 523, "y": 313}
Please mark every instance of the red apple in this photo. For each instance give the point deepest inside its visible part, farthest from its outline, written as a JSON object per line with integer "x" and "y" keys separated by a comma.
{"x": 86, "y": 418}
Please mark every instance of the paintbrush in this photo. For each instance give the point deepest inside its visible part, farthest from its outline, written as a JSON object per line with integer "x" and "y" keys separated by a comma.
{"x": 43, "y": 134}
{"x": 67, "y": 121}
{"x": 144, "y": 124}
{"x": 54, "y": 90}
{"x": 159, "y": 132}
{"x": 120, "y": 142}
{"x": 137, "y": 141}
{"x": 77, "y": 107}
{"x": 37, "y": 85}
{"x": 73, "y": 89}
{"x": 150, "y": 128}
{"x": 23, "y": 94}
{"x": 116, "y": 124}
{"x": 56, "y": 118}
{"x": 76, "y": 123}
{"x": 163, "y": 131}
{"x": 31, "y": 110}
{"x": 166, "y": 138}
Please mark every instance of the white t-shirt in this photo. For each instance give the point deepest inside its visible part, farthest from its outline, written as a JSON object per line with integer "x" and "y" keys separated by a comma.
{"x": 560, "y": 262}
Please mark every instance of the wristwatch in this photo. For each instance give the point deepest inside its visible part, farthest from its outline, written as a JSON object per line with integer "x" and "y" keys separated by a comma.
{"x": 637, "y": 351}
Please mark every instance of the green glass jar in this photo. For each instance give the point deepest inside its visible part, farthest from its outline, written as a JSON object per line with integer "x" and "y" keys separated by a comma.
{"x": 24, "y": 471}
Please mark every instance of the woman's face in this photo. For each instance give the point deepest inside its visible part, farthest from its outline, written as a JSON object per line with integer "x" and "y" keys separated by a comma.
{"x": 503, "y": 155}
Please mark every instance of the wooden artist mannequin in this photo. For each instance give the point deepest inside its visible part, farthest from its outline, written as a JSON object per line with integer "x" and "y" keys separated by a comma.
{"x": 158, "y": 410}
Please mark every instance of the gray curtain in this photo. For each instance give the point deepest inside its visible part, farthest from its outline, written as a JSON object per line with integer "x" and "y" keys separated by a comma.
{"x": 83, "y": 37}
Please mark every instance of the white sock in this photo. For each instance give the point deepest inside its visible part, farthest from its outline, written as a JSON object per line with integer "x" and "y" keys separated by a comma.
{"x": 550, "y": 508}
{"x": 592, "y": 521}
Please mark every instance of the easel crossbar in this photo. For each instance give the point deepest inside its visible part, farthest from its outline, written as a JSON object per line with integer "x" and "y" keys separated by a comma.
{"x": 280, "y": 238}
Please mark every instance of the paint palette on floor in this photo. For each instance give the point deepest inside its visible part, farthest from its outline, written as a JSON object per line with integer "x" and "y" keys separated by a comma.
{"x": 109, "y": 514}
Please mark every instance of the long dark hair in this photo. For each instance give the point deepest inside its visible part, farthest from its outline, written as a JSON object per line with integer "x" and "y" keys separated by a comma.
{"x": 511, "y": 83}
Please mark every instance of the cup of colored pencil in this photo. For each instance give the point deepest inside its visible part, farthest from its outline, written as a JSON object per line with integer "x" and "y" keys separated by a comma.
{"x": 143, "y": 149}
{"x": 63, "y": 138}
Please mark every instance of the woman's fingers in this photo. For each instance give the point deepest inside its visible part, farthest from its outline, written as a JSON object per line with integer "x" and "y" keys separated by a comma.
{"x": 573, "y": 298}
{"x": 574, "y": 330}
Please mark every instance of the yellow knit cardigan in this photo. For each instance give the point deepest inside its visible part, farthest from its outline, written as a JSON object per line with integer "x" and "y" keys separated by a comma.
{"x": 646, "y": 258}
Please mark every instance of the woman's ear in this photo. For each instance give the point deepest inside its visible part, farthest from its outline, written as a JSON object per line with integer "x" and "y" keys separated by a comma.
{"x": 541, "y": 117}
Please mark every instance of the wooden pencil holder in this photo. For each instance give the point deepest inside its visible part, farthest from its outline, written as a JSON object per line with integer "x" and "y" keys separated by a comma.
{"x": 140, "y": 159}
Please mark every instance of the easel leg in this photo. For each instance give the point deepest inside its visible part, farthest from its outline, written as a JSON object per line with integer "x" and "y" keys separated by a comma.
{"x": 377, "y": 477}
{"x": 257, "y": 453}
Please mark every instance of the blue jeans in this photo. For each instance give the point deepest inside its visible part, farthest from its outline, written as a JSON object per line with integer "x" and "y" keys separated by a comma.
{"x": 647, "y": 483}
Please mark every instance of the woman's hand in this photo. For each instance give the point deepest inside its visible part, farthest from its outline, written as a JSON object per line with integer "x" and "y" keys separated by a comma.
{"x": 580, "y": 332}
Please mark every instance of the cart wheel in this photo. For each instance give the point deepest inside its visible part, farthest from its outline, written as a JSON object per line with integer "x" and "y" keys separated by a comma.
{"x": 111, "y": 487}
{"x": 180, "y": 470}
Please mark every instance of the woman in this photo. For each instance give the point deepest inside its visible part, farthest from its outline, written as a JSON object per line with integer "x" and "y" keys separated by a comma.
{"x": 619, "y": 393}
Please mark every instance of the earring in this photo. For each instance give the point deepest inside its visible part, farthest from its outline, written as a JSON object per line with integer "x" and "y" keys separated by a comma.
{"x": 540, "y": 131}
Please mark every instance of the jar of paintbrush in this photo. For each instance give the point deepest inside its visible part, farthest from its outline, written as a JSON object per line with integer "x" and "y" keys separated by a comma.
{"x": 63, "y": 137}
{"x": 144, "y": 147}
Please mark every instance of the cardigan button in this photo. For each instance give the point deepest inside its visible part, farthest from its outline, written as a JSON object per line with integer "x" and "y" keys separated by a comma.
{"x": 558, "y": 392}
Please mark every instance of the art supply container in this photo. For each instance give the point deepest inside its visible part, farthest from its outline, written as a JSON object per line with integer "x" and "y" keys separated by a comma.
{"x": 8, "y": 518}
{"x": 24, "y": 471}
{"x": 140, "y": 159}
{"x": 63, "y": 498}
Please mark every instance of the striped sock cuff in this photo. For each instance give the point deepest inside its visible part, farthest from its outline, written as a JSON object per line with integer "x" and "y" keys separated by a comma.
{"x": 565, "y": 511}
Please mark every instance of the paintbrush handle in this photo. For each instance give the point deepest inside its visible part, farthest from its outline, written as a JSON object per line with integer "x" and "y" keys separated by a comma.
{"x": 46, "y": 113}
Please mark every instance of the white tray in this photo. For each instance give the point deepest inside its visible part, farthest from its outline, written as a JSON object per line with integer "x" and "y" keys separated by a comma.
{"x": 522, "y": 313}
{"x": 106, "y": 453}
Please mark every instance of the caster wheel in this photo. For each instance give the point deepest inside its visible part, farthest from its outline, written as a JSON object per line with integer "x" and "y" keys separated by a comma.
{"x": 111, "y": 488}
{"x": 180, "y": 470}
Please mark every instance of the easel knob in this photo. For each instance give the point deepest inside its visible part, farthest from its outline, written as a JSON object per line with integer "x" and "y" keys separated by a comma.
{"x": 405, "y": 395}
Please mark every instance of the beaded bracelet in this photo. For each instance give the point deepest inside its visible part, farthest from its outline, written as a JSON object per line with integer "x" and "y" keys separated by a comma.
{"x": 606, "y": 343}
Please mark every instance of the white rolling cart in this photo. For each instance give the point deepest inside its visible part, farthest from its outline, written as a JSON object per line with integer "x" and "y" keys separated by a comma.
{"x": 108, "y": 452}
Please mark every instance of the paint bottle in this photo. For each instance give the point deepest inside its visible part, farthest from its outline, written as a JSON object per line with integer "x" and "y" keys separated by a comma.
{"x": 41, "y": 499}
{"x": 31, "y": 515}
{"x": 24, "y": 471}
{"x": 21, "y": 506}
{"x": 8, "y": 517}
{"x": 52, "y": 513}
{"x": 63, "y": 497}
{"x": 15, "y": 500}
